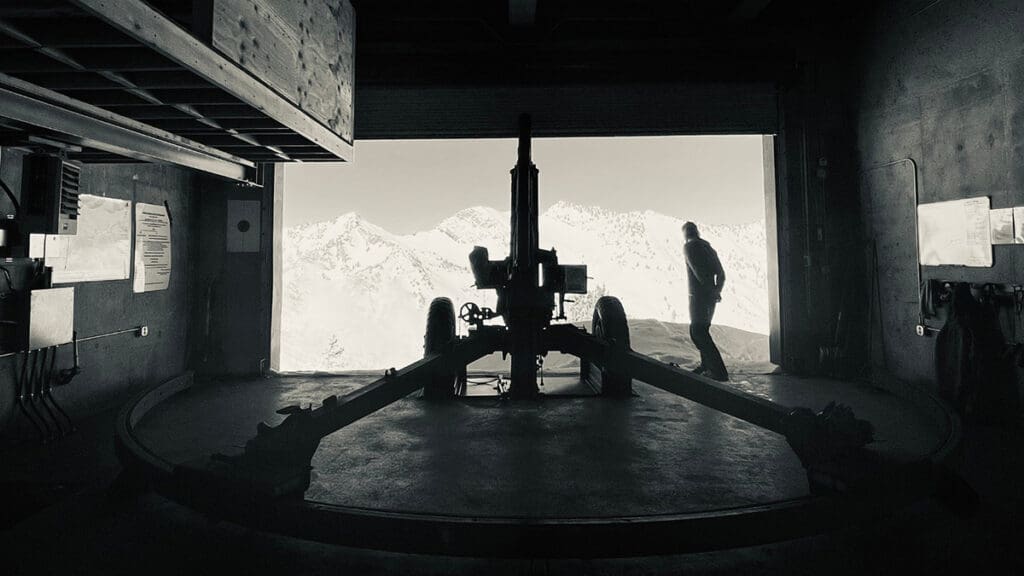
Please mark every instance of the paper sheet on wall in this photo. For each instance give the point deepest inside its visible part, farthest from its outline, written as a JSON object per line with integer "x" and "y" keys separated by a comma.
{"x": 101, "y": 250}
{"x": 955, "y": 233}
{"x": 1018, "y": 224}
{"x": 1001, "y": 223}
{"x": 152, "y": 248}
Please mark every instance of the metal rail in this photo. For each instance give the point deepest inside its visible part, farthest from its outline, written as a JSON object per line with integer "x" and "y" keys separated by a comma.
{"x": 86, "y": 130}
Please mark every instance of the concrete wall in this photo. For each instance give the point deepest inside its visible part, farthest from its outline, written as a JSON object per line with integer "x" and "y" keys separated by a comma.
{"x": 941, "y": 84}
{"x": 232, "y": 291}
{"x": 114, "y": 366}
{"x": 215, "y": 317}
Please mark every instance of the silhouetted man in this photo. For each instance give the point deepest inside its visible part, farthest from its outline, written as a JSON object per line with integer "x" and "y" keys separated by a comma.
{"x": 706, "y": 278}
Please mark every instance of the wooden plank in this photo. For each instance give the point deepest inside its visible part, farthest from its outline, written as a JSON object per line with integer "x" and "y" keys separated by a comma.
{"x": 85, "y": 33}
{"x": 171, "y": 79}
{"x": 28, "y": 60}
{"x": 155, "y": 30}
{"x": 67, "y": 80}
{"x": 122, "y": 60}
{"x": 225, "y": 111}
{"x": 103, "y": 98}
{"x": 254, "y": 126}
{"x": 209, "y": 95}
{"x": 303, "y": 50}
{"x": 168, "y": 79}
{"x": 40, "y": 9}
{"x": 223, "y": 140}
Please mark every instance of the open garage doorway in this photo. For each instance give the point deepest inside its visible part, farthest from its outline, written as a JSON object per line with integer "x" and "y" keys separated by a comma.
{"x": 366, "y": 246}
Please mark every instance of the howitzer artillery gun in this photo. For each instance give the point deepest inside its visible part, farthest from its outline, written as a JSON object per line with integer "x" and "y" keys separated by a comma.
{"x": 531, "y": 285}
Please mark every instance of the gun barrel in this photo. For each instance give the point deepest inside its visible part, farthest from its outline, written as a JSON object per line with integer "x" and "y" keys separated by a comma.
{"x": 525, "y": 129}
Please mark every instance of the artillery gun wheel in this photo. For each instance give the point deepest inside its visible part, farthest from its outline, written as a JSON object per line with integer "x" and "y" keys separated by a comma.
{"x": 439, "y": 337}
{"x": 609, "y": 322}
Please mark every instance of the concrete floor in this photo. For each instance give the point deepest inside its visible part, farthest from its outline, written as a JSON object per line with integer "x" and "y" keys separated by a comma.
{"x": 97, "y": 530}
{"x": 554, "y": 457}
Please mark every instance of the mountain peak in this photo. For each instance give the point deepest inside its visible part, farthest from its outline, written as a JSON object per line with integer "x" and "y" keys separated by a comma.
{"x": 473, "y": 223}
{"x": 570, "y": 212}
{"x": 476, "y": 213}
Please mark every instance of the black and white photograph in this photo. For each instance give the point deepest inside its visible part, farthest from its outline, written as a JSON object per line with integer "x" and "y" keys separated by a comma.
{"x": 511, "y": 287}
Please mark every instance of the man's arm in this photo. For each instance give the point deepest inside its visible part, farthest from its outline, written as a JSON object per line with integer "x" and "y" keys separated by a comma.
{"x": 719, "y": 271}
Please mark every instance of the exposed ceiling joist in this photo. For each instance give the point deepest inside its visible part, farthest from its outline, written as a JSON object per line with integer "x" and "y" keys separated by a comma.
{"x": 179, "y": 47}
{"x": 124, "y": 137}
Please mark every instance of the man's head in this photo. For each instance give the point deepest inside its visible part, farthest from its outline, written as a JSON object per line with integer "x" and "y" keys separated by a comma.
{"x": 690, "y": 231}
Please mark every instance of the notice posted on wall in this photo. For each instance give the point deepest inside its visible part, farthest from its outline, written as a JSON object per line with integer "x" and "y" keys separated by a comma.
{"x": 101, "y": 250}
{"x": 955, "y": 233}
{"x": 1001, "y": 223}
{"x": 1018, "y": 224}
{"x": 152, "y": 248}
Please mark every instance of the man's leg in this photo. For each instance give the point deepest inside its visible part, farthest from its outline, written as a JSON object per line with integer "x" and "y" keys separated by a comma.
{"x": 699, "y": 335}
{"x": 699, "y": 324}
{"x": 701, "y": 313}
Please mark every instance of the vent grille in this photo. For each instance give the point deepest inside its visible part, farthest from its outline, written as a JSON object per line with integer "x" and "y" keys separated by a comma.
{"x": 70, "y": 182}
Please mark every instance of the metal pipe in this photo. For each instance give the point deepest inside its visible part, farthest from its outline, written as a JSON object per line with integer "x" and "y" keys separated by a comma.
{"x": 49, "y": 388}
{"x": 917, "y": 237}
{"x": 43, "y": 426}
{"x": 46, "y": 393}
{"x": 75, "y": 341}
{"x": 108, "y": 334}
{"x": 37, "y": 389}
{"x": 41, "y": 394}
{"x": 22, "y": 397}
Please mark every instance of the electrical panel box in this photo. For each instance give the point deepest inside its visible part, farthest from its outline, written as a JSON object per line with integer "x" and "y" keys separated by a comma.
{"x": 51, "y": 320}
{"x": 35, "y": 319}
{"x": 49, "y": 195}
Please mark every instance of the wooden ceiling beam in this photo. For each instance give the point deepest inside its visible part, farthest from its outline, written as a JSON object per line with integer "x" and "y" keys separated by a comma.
{"x": 151, "y": 28}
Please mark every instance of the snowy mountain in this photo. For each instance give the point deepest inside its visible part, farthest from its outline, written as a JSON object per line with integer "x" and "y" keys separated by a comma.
{"x": 356, "y": 295}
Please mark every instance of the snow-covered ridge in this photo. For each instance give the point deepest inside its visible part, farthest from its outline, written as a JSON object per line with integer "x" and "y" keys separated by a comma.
{"x": 355, "y": 295}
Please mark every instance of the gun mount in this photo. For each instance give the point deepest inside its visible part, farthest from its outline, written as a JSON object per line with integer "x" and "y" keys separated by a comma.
{"x": 833, "y": 445}
{"x": 527, "y": 282}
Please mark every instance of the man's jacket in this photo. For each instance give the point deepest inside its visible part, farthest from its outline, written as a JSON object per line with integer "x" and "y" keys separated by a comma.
{"x": 703, "y": 269}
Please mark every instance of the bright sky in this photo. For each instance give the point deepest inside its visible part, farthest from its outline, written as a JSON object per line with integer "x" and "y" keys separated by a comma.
{"x": 411, "y": 185}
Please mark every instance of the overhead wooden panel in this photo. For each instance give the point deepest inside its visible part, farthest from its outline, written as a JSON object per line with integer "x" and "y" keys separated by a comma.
{"x": 241, "y": 87}
{"x": 304, "y": 50}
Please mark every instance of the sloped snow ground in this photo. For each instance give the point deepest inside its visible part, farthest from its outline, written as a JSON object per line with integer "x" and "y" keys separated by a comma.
{"x": 356, "y": 295}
